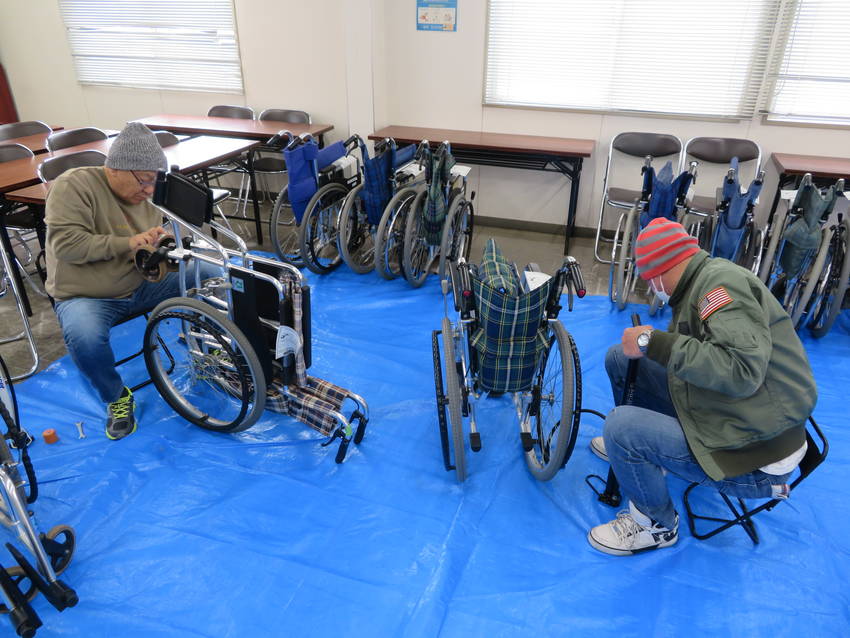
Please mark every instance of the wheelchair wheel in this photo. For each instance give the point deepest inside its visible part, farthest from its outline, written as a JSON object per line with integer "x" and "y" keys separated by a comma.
{"x": 24, "y": 584}
{"x": 556, "y": 405}
{"x": 319, "y": 230}
{"x": 389, "y": 238}
{"x": 356, "y": 239}
{"x": 830, "y": 300}
{"x": 208, "y": 371}
{"x": 625, "y": 264}
{"x": 7, "y": 394}
{"x": 753, "y": 248}
{"x": 457, "y": 233}
{"x": 799, "y": 306}
{"x": 775, "y": 232}
{"x": 455, "y": 398}
{"x": 61, "y": 551}
{"x": 283, "y": 229}
{"x": 417, "y": 253}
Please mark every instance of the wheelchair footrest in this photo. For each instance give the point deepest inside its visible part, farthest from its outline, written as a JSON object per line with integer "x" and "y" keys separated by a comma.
{"x": 475, "y": 441}
{"x": 362, "y": 421}
{"x": 528, "y": 442}
{"x": 57, "y": 593}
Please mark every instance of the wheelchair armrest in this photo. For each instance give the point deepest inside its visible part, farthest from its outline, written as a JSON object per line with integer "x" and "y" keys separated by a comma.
{"x": 466, "y": 297}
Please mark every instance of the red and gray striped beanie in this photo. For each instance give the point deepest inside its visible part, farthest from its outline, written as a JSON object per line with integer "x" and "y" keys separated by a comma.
{"x": 662, "y": 245}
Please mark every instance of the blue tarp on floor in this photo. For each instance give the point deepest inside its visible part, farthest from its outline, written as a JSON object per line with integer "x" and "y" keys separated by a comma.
{"x": 182, "y": 532}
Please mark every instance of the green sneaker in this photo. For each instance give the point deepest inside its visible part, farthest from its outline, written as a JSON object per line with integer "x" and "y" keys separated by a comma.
{"x": 120, "y": 420}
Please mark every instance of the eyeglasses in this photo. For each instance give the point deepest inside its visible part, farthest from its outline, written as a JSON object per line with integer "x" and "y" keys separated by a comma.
{"x": 144, "y": 183}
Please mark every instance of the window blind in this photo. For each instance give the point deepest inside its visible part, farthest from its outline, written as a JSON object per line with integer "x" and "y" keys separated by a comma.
{"x": 683, "y": 57}
{"x": 810, "y": 81}
{"x": 186, "y": 45}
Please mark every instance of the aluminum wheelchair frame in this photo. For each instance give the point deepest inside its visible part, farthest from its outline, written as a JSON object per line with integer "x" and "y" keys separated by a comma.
{"x": 246, "y": 335}
{"x": 52, "y": 551}
{"x": 546, "y": 446}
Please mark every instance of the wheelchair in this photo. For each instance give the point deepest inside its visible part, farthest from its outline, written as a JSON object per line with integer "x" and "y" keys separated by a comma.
{"x": 734, "y": 234}
{"x": 363, "y": 208}
{"x": 310, "y": 170}
{"x": 229, "y": 347}
{"x": 798, "y": 247}
{"x": 661, "y": 196}
{"x": 440, "y": 223}
{"x": 52, "y": 551}
{"x": 389, "y": 238}
{"x": 508, "y": 342}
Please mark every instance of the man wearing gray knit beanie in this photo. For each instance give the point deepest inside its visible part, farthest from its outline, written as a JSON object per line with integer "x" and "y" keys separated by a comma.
{"x": 96, "y": 217}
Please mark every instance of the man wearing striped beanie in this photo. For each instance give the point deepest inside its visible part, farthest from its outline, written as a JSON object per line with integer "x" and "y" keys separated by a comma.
{"x": 721, "y": 398}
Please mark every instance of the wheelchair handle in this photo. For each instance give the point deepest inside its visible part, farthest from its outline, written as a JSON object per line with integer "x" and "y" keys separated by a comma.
{"x": 354, "y": 141}
{"x": 383, "y": 144}
{"x": 277, "y": 140}
{"x": 760, "y": 177}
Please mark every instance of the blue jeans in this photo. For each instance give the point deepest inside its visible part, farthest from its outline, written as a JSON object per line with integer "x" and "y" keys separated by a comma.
{"x": 86, "y": 323}
{"x": 645, "y": 437}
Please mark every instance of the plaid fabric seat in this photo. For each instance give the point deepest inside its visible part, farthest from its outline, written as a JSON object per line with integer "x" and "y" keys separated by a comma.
{"x": 511, "y": 332}
{"x": 436, "y": 203}
{"x": 312, "y": 403}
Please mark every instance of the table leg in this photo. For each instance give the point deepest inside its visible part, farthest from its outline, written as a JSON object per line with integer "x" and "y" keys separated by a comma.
{"x": 253, "y": 183}
{"x": 575, "y": 178}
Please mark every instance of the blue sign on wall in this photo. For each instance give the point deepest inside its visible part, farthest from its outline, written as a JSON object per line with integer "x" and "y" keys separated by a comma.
{"x": 436, "y": 16}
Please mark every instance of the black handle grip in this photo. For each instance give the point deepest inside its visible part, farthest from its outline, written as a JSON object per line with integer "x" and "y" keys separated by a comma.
{"x": 635, "y": 320}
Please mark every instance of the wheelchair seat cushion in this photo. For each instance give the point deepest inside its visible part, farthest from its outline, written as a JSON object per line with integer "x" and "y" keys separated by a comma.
{"x": 496, "y": 271}
{"x": 511, "y": 331}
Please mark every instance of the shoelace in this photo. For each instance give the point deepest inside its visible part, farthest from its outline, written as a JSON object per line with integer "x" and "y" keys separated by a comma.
{"x": 626, "y": 528}
{"x": 120, "y": 408}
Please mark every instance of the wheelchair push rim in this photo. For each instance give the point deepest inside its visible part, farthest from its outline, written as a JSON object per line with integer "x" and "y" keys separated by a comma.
{"x": 319, "y": 231}
{"x": 204, "y": 366}
{"x": 389, "y": 239}
{"x": 457, "y": 233}
{"x": 283, "y": 229}
{"x": 555, "y": 407}
{"x": 356, "y": 234}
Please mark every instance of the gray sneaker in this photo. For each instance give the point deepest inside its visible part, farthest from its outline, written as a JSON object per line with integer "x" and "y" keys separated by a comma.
{"x": 632, "y": 532}
{"x": 120, "y": 417}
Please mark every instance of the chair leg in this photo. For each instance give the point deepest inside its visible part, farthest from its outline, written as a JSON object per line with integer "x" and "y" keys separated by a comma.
{"x": 742, "y": 517}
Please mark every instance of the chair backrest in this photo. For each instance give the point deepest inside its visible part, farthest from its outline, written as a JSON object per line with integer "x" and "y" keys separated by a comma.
{"x": 229, "y": 110}
{"x": 9, "y": 152}
{"x": 23, "y": 129}
{"x": 815, "y": 454}
{"x": 626, "y": 156}
{"x": 714, "y": 155}
{"x": 166, "y": 138}
{"x": 286, "y": 115}
{"x": 53, "y": 167}
{"x": 74, "y": 137}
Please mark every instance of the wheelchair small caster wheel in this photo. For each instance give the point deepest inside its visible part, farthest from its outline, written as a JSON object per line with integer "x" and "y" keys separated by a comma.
{"x": 475, "y": 441}
{"x": 60, "y": 546}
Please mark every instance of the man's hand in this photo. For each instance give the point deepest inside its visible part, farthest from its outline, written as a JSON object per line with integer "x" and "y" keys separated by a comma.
{"x": 630, "y": 346}
{"x": 150, "y": 236}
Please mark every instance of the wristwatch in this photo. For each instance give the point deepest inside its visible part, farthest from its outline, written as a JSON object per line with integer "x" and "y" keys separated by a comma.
{"x": 643, "y": 340}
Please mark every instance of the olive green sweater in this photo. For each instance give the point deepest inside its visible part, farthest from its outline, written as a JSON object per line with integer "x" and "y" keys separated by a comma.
{"x": 738, "y": 376}
{"x": 88, "y": 230}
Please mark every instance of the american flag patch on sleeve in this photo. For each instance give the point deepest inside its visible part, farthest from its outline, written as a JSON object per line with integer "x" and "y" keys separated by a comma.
{"x": 713, "y": 301}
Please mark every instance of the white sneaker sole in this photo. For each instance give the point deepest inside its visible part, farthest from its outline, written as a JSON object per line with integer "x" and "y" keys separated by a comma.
{"x": 616, "y": 551}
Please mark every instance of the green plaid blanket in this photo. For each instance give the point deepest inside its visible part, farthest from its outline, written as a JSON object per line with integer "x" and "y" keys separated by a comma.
{"x": 511, "y": 330}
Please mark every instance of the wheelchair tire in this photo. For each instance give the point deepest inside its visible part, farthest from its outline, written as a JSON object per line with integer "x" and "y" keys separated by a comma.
{"x": 455, "y": 399}
{"x": 625, "y": 267}
{"x": 775, "y": 232}
{"x": 319, "y": 230}
{"x": 209, "y": 351}
{"x": 831, "y": 299}
{"x": 555, "y": 421}
{"x": 801, "y": 304}
{"x": 283, "y": 229}
{"x": 457, "y": 234}
{"x": 356, "y": 234}
{"x": 7, "y": 394}
{"x": 389, "y": 239}
{"x": 417, "y": 253}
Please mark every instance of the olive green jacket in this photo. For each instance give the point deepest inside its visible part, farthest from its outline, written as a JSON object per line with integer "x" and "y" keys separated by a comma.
{"x": 739, "y": 378}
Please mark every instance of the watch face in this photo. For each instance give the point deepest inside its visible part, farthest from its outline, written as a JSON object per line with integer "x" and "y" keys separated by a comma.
{"x": 643, "y": 339}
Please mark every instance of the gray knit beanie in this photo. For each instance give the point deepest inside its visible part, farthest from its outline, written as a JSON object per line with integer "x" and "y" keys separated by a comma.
{"x": 136, "y": 149}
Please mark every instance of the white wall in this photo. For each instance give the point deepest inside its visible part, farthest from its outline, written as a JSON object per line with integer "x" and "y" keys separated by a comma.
{"x": 361, "y": 64}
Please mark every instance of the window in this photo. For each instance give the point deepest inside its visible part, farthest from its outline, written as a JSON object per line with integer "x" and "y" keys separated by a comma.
{"x": 704, "y": 58}
{"x": 186, "y": 45}
{"x": 811, "y": 78}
